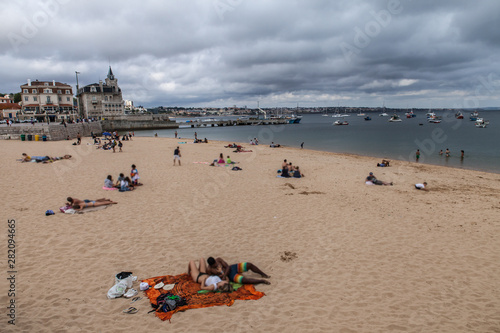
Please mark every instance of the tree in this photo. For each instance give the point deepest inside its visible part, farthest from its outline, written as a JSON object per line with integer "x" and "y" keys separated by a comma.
{"x": 17, "y": 97}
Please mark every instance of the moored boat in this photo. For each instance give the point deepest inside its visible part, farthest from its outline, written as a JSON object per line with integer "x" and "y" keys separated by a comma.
{"x": 368, "y": 118}
{"x": 474, "y": 116}
{"x": 340, "y": 122}
{"x": 459, "y": 115}
{"x": 395, "y": 118}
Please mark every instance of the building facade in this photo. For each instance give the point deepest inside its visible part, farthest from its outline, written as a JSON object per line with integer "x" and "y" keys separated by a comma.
{"x": 47, "y": 101}
{"x": 99, "y": 100}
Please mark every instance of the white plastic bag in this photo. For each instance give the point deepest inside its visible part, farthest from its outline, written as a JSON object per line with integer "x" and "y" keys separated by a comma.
{"x": 129, "y": 280}
{"x": 118, "y": 290}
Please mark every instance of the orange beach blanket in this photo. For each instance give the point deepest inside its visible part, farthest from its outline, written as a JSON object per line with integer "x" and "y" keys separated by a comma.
{"x": 188, "y": 289}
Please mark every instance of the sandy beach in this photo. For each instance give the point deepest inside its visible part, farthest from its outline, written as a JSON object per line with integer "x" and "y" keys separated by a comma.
{"x": 343, "y": 256}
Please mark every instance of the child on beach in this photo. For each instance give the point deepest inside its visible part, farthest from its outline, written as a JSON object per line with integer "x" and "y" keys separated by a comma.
{"x": 135, "y": 175}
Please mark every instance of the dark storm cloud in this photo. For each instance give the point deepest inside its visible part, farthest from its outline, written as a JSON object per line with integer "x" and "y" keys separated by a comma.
{"x": 225, "y": 52}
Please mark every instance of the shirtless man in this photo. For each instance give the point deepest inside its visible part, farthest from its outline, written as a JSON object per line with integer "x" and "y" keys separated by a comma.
{"x": 221, "y": 268}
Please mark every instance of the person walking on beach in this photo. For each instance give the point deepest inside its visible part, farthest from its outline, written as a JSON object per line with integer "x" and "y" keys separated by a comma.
{"x": 417, "y": 155}
{"x": 177, "y": 155}
{"x": 175, "y": 134}
{"x": 78, "y": 138}
{"x": 462, "y": 154}
{"x": 302, "y": 145}
{"x": 195, "y": 136}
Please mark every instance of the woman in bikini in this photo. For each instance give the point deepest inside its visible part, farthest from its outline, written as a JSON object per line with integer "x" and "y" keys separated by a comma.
{"x": 78, "y": 204}
{"x": 208, "y": 282}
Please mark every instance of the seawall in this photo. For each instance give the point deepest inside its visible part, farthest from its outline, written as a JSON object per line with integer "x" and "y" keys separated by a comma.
{"x": 137, "y": 122}
{"x": 53, "y": 132}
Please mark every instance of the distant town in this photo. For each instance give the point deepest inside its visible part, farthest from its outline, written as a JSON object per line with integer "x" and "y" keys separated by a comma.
{"x": 54, "y": 102}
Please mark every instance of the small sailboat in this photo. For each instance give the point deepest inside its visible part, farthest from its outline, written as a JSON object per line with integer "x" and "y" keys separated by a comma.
{"x": 459, "y": 115}
{"x": 383, "y": 114}
{"x": 361, "y": 114}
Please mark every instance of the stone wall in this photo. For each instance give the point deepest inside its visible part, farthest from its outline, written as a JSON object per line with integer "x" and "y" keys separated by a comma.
{"x": 52, "y": 132}
{"x": 137, "y": 122}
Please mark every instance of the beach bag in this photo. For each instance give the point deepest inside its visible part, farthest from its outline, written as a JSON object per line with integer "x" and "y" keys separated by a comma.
{"x": 168, "y": 302}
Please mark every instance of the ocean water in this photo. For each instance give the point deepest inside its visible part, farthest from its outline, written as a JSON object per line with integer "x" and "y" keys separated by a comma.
{"x": 377, "y": 138}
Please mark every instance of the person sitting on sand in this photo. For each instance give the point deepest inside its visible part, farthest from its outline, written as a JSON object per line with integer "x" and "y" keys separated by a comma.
{"x": 297, "y": 173}
{"x": 221, "y": 159}
{"x": 126, "y": 185}
{"x": 108, "y": 182}
{"x": 208, "y": 282}
{"x": 285, "y": 171}
{"x": 233, "y": 272}
{"x": 422, "y": 187}
{"x": 78, "y": 204}
{"x": 273, "y": 145}
{"x": 229, "y": 161}
{"x": 371, "y": 180}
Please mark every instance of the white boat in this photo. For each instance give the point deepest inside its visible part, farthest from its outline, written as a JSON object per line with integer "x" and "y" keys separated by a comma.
{"x": 383, "y": 114}
{"x": 480, "y": 122}
{"x": 337, "y": 115}
{"x": 395, "y": 118}
{"x": 325, "y": 115}
{"x": 361, "y": 114}
{"x": 340, "y": 122}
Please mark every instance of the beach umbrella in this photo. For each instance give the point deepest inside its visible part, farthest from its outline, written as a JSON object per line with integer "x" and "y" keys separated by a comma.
{"x": 106, "y": 133}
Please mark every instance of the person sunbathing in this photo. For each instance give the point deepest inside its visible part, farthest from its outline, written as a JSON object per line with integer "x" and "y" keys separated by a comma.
{"x": 208, "y": 282}
{"x": 26, "y": 158}
{"x": 372, "y": 180}
{"x": 221, "y": 268}
{"x": 78, "y": 204}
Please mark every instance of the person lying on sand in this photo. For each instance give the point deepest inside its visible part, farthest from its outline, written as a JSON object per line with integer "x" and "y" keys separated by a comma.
{"x": 207, "y": 281}
{"x": 384, "y": 163}
{"x": 26, "y": 158}
{"x": 275, "y": 145}
{"x": 422, "y": 187}
{"x": 220, "y": 267}
{"x": 371, "y": 179}
{"x": 78, "y": 204}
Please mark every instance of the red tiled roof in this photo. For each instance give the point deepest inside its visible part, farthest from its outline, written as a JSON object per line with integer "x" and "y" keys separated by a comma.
{"x": 5, "y": 106}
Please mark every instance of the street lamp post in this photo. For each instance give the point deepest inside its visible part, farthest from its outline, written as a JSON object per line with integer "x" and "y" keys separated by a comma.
{"x": 77, "y": 87}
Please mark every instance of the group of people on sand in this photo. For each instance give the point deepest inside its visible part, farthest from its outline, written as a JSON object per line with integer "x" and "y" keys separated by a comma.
{"x": 216, "y": 274}
{"x": 288, "y": 170}
{"x": 221, "y": 161}
{"x": 110, "y": 144}
{"x": 372, "y": 180}
{"x": 42, "y": 159}
{"x": 124, "y": 183}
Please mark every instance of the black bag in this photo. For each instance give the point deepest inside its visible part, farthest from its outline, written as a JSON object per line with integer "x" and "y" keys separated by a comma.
{"x": 168, "y": 302}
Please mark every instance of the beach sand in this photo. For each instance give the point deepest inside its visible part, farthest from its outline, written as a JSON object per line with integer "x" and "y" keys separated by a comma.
{"x": 343, "y": 256}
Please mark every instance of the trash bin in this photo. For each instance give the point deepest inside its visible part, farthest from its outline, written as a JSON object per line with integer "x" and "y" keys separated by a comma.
{"x": 44, "y": 137}
{"x": 30, "y": 137}
{"x": 37, "y": 137}
{"x": 23, "y": 137}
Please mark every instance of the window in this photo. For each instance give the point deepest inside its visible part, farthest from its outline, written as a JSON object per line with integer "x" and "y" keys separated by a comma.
{"x": 67, "y": 99}
{"x": 48, "y": 99}
{"x": 34, "y": 91}
{"x": 60, "y": 99}
{"x": 94, "y": 98}
{"x": 47, "y": 91}
{"x": 25, "y": 91}
{"x": 35, "y": 98}
{"x": 26, "y": 99}
{"x": 93, "y": 89}
{"x": 67, "y": 91}
{"x": 59, "y": 91}
{"x": 106, "y": 98}
{"x": 46, "y": 84}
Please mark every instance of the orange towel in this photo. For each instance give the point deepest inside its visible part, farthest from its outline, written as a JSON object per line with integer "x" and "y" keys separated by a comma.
{"x": 188, "y": 289}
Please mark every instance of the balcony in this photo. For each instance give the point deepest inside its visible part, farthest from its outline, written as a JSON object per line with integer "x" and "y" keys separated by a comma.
{"x": 94, "y": 102}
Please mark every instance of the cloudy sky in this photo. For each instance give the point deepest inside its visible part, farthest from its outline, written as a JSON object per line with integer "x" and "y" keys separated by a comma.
{"x": 402, "y": 53}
